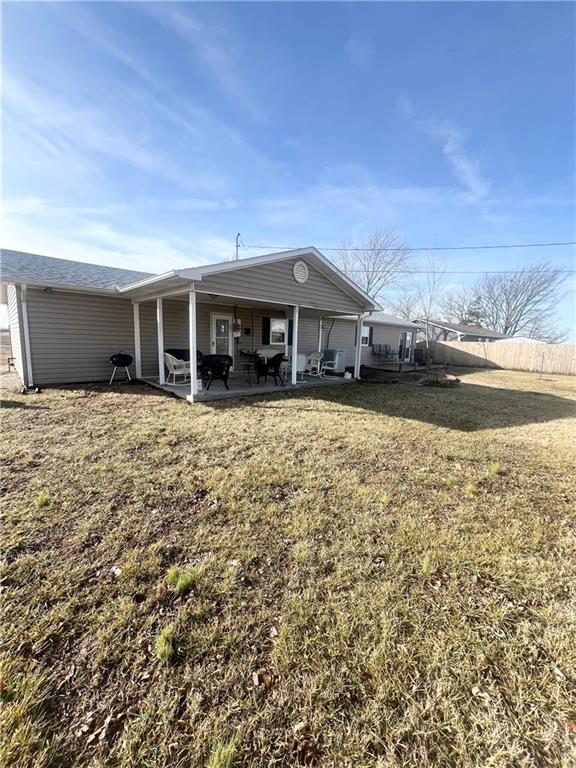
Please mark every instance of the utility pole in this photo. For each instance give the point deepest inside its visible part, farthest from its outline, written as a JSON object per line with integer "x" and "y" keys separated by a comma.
{"x": 237, "y": 244}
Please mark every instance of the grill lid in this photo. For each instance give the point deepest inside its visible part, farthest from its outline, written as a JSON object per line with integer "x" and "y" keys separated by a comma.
{"x": 121, "y": 360}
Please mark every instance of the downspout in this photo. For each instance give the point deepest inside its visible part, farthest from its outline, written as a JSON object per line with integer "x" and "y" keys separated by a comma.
{"x": 24, "y": 304}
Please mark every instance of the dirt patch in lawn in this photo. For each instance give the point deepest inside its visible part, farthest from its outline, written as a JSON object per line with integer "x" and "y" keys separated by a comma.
{"x": 373, "y": 575}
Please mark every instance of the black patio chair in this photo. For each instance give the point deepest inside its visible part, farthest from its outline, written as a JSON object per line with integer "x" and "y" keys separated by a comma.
{"x": 215, "y": 367}
{"x": 270, "y": 367}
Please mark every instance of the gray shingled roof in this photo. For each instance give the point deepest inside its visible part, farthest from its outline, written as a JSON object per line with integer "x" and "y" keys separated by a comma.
{"x": 30, "y": 268}
{"x": 470, "y": 330}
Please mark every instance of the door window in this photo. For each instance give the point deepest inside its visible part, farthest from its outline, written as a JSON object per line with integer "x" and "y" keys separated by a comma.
{"x": 222, "y": 329}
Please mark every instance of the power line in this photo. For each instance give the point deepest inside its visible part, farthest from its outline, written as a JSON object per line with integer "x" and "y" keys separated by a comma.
{"x": 429, "y": 248}
{"x": 452, "y": 271}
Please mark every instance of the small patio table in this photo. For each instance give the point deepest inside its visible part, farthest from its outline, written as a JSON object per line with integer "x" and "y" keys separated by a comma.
{"x": 249, "y": 361}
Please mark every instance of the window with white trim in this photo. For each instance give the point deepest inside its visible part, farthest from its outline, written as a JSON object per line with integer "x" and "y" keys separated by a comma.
{"x": 277, "y": 330}
{"x": 365, "y": 336}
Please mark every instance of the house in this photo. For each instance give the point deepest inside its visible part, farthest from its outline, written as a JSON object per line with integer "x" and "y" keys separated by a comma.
{"x": 442, "y": 330}
{"x": 521, "y": 340}
{"x": 378, "y": 328}
{"x": 66, "y": 318}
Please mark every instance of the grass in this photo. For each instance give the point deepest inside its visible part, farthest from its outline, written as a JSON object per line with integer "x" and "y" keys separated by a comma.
{"x": 343, "y": 599}
{"x": 165, "y": 645}
{"x": 43, "y": 499}
{"x": 182, "y": 581}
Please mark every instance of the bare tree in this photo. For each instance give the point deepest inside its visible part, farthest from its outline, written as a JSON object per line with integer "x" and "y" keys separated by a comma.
{"x": 460, "y": 305}
{"x": 429, "y": 291}
{"x": 522, "y": 303}
{"x": 379, "y": 261}
{"x": 418, "y": 297}
{"x": 405, "y": 302}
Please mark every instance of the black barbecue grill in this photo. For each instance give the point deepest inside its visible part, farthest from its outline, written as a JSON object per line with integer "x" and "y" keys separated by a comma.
{"x": 120, "y": 360}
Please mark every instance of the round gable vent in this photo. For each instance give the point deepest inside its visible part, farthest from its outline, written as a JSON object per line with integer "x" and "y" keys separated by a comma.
{"x": 300, "y": 272}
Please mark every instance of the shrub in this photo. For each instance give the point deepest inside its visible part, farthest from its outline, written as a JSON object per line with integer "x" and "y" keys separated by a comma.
{"x": 470, "y": 490}
{"x": 496, "y": 469}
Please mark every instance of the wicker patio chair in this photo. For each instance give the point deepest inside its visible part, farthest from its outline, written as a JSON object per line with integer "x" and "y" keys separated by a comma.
{"x": 215, "y": 367}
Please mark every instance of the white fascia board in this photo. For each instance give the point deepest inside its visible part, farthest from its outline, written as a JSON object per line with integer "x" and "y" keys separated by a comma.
{"x": 64, "y": 288}
{"x": 196, "y": 273}
{"x": 147, "y": 281}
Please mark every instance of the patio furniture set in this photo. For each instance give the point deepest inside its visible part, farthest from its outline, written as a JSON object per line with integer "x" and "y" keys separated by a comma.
{"x": 385, "y": 353}
{"x": 261, "y": 364}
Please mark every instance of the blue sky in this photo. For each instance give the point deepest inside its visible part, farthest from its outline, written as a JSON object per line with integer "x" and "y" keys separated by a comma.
{"x": 146, "y": 135}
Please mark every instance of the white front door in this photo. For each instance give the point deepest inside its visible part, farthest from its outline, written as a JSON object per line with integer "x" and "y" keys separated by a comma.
{"x": 221, "y": 334}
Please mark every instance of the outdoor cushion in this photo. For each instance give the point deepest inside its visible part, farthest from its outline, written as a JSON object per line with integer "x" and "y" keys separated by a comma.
{"x": 183, "y": 354}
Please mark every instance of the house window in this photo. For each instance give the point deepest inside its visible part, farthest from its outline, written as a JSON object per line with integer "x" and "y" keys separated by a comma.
{"x": 365, "y": 337}
{"x": 277, "y": 330}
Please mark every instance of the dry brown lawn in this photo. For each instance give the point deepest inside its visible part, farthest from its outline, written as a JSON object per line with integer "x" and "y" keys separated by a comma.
{"x": 375, "y": 575}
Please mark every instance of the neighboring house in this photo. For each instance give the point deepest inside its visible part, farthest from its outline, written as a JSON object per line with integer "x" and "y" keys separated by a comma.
{"x": 377, "y": 328}
{"x": 522, "y": 340}
{"x": 66, "y": 318}
{"x": 442, "y": 330}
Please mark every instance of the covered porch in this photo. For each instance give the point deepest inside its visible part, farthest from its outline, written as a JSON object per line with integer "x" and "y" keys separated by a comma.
{"x": 200, "y": 312}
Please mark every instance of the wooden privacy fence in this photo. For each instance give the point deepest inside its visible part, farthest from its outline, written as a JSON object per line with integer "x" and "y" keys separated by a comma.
{"x": 542, "y": 358}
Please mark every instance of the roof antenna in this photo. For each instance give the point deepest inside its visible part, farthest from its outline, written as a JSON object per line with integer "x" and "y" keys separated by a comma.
{"x": 237, "y": 244}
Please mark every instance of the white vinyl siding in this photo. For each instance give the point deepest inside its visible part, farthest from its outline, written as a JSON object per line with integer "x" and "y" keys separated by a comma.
{"x": 72, "y": 335}
{"x": 275, "y": 282}
{"x": 15, "y": 326}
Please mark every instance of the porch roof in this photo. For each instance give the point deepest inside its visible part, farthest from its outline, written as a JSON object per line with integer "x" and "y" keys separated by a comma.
{"x": 182, "y": 280}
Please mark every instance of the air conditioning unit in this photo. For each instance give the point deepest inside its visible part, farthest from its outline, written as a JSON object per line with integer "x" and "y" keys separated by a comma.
{"x": 337, "y": 356}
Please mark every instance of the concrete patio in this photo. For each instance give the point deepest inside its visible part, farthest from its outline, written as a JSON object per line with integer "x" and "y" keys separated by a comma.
{"x": 240, "y": 386}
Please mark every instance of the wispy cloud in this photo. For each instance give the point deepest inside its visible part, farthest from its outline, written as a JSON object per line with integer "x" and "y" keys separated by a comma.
{"x": 465, "y": 167}
{"x": 360, "y": 206}
{"x": 101, "y": 236}
{"x": 88, "y": 128}
{"x": 215, "y": 46}
{"x": 157, "y": 97}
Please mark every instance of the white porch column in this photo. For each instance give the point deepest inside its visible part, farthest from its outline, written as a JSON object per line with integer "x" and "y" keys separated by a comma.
{"x": 160, "y": 329}
{"x": 358, "y": 348}
{"x": 286, "y": 345}
{"x": 320, "y": 335}
{"x": 193, "y": 346}
{"x": 295, "y": 315}
{"x": 137, "y": 344}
